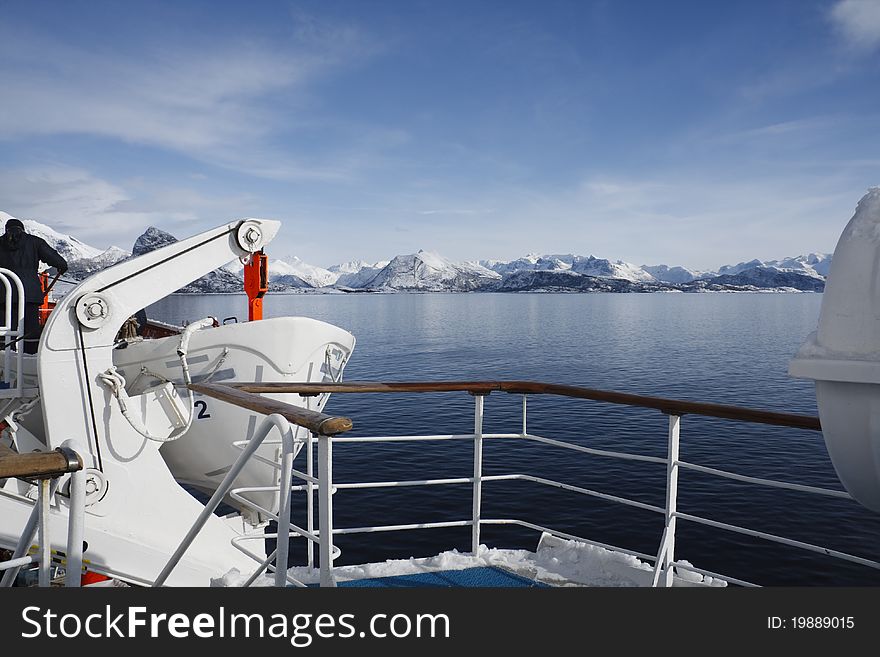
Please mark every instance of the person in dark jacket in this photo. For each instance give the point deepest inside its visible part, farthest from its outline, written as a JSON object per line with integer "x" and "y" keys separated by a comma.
{"x": 22, "y": 253}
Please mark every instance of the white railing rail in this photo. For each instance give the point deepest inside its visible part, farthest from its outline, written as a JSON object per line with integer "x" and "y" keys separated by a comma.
{"x": 280, "y": 416}
{"x": 12, "y": 335}
{"x": 273, "y": 421}
{"x": 665, "y": 560}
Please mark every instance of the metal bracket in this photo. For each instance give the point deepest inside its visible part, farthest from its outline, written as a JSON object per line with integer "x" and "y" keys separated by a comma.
{"x": 74, "y": 463}
{"x": 93, "y": 310}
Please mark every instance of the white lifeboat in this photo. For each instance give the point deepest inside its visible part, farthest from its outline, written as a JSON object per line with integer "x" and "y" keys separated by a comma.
{"x": 843, "y": 355}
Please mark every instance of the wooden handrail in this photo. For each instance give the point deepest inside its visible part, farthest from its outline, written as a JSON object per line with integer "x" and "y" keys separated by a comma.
{"x": 668, "y": 406}
{"x": 36, "y": 465}
{"x": 320, "y": 423}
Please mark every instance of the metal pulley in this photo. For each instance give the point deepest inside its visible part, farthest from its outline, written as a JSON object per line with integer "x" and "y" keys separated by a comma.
{"x": 93, "y": 310}
{"x": 249, "y": 235}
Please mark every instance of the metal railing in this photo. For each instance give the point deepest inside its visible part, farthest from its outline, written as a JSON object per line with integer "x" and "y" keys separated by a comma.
{"x": 44, "y": 467}
{"x": 325, "y": 427}
{"x": 12, "y": 333}
{"x": 47, "y": 468}
{"x": 280, "y": 416}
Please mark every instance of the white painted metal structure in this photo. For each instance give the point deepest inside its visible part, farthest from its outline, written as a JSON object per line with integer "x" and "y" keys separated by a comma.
{"x": 136, "y": 510}
{"x": 281, "y": 349}
{"x": 843, "y": 355}
{"x": 12, "y": 331}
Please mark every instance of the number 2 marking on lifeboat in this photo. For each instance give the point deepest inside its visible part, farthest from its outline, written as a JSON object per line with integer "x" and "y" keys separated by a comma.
{"x": 203, "y": 409}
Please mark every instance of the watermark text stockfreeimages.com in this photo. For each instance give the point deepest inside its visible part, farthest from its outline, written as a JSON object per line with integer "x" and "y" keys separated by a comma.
{"x": 299, "y": 629}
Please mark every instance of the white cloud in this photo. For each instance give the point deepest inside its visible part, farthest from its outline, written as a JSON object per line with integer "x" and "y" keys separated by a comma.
{"x": 177, "y": 102}
{"x": 691, "y": 221}
{"x": 102, "y": 214}
{"x": 858, "y": 21}
{"x": 222, "y": 102}
{"x": 71, "y": 199}
{"x": 454, "y": 211}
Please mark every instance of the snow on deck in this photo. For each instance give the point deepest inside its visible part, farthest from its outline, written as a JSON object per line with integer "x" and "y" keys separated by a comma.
{"x": 556, "y": 562}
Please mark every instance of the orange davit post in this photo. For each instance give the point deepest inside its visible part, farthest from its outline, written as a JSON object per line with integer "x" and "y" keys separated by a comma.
{"x": 45, "y": 308}
{"x": 256, "y": 284}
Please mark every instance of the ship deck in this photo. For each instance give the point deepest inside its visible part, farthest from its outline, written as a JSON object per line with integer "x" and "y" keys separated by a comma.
{"x": 478, "y": 577}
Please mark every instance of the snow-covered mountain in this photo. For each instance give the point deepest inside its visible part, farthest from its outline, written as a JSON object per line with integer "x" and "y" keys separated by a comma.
{"x": 666, "y": 274}
{"x": 531, "y": 262}
{"x": 767, "y": 278}
{"x": 311, "y": 274}
{"x": 733, "y": 270}
{"x": 430, "y": 272}
{"x": 590, "y": 265}
{"x": 750, "y": 280}
{"x": 565, "y": 272}
{"x": 151, "y": 239}
{"x": 85, "y": 267}
{"x": 67, "y": 245}
{"x": 351, "y": 267}
{"x": 281, "y": 282}
{"x": 602, "y": 268}
{"x": 357, "y": 274}
{"x": 561, "y": 280}
{"x": 816, "y": 265}
{"x": 82, "y": 259}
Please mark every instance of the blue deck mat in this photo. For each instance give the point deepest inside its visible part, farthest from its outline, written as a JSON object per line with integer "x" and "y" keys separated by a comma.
{"x": 483, "y": 577}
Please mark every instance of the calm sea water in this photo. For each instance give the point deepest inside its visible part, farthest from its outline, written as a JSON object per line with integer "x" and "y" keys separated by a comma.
{"x": 722, "y": 348}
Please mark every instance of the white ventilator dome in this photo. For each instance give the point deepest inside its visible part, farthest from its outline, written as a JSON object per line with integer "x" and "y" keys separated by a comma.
{"x": 843, "y": 355}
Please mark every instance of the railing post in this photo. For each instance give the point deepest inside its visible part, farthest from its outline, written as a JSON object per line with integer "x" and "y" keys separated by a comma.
{"x": 325, "y": 509}
{"x": 273, "y": 420}
{"x": 478, "y": 473}
{"x": 282, "y": 543}
{"x": 45, "y": 547}
{"x": 310, "y": 501}
{"x": 76, "y": 513}
{"x": 25, "y": 540}
{"x": 75, "y": 522}
{"x": 671, "y": 498}
{"x": 524, "y": 415}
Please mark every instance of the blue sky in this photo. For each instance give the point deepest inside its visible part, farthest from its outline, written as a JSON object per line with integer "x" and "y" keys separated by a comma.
{"x": 693, "y": 133}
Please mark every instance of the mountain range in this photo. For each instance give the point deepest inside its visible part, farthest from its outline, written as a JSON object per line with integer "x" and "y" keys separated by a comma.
{"x": 427, "y": 271}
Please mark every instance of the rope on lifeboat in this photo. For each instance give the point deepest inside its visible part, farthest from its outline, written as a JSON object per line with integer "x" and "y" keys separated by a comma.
{"x": 113, "y": 380}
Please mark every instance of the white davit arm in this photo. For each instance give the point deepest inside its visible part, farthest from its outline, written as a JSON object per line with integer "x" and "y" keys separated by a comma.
{"x": 77, "y": 342}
